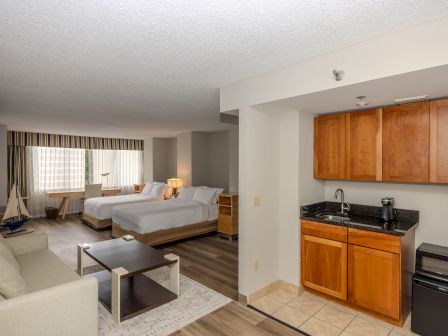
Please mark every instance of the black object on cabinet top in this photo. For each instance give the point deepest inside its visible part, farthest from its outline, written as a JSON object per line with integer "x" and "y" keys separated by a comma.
{"x": 363, "y": 217}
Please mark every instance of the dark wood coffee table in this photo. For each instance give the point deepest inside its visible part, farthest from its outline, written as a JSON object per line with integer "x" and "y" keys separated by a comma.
{"x": 122, "y": 288}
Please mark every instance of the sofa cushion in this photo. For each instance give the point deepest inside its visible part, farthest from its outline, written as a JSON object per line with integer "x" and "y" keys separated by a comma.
{"x": 6, "y": 253}
{"x": 2, "y": 298}
{"x": 11, "y": 282}
{"x": 43, "y": 269}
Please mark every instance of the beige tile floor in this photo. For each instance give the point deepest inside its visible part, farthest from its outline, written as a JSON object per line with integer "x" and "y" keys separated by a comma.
{"x": 320, "y": 317}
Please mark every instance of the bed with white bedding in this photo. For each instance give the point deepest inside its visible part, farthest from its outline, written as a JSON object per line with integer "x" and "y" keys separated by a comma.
{"x": 151, "y": 217}
{"x": 101, "y": 207}
{"x": 159, "y": 222}
{"x": 98, "y": 210}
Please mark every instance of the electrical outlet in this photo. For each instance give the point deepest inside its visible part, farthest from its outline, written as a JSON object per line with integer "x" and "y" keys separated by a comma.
{"x": 256, "y": 265}
{"x": 257, "y": 201}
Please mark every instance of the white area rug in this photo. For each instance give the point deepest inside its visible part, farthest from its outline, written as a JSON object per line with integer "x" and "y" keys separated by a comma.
{"x": 194, "y": 302}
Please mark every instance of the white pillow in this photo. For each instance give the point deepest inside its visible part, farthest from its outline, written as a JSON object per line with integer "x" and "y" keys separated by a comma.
{"x": 11, "y": 282}
{"x": 147, "y": 189}
{"x": 158, "y": 189}
{"x": 204, "y": 195}
{"x": 186, "y": 193}
{"x": 218, "y": 191}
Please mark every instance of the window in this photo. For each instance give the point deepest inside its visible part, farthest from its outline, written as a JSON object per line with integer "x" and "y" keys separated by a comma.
{"x": 115, "y": 168}
{"x": 53, "y": 169}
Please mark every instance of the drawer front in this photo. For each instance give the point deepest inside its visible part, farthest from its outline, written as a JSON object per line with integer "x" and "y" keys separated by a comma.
{"x": 326, "y": 231}
{"x": 375, "y": 240}
{"x": 227, "y": 225}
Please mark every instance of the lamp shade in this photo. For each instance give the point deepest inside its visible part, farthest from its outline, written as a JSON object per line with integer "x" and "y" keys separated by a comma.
{"x": 175, "y": 183}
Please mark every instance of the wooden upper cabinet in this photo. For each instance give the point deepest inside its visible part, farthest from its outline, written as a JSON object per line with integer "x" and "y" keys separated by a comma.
{"x": 329, "y": 146}
{"x": 364, "y": 145}
{"x": 438, "y": 165}
{"x": 406, "y": 143}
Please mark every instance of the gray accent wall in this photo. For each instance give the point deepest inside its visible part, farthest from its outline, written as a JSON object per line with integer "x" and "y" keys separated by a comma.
{"x": 164, "y": 158}
{"x": 4, "y": 165}
{"x": 210, "y": 159}
{"x": 184, "y": 157}
{"x": 147, "y": 160}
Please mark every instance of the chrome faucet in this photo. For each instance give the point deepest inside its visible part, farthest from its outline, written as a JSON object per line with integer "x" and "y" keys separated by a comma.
{"x": 344, "y": 206}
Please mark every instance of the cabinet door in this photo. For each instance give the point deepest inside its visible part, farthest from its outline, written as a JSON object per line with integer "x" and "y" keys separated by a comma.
{"x": 374, "y": 280}
{"x": 324, "y": 265}
{"x": 329, "y": 147}
{"x": 406, "y": 143}
{"x": 438, "y": 158}
{"x": 364, "y": 145}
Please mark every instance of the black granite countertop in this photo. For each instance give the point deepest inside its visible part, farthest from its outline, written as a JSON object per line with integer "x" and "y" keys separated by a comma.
{"x": 363, "y": 217}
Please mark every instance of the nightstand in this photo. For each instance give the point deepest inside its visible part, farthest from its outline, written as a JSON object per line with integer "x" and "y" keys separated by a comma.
{"x": 228, "y": 215}
{"x": 138, "y": 188}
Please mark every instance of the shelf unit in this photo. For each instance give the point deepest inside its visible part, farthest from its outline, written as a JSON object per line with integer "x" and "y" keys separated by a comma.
{"x": 228, "y": 215}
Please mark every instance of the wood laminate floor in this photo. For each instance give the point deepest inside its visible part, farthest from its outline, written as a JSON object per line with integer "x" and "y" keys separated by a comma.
{"x": 209, "y": 260}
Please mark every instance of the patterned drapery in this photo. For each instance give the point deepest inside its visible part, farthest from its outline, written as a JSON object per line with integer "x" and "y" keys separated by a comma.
{"x": 17, "y": 169}
{"x": 16, "y": 138}
{"x": 17, "y": 141}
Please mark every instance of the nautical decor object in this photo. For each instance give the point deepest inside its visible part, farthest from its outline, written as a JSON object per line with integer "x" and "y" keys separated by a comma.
{"x": 16, "y": 213}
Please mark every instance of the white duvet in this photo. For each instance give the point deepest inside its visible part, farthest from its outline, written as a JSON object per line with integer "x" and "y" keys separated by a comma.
{"x": 101, "y": 207}
{"x": 155, "y": 216}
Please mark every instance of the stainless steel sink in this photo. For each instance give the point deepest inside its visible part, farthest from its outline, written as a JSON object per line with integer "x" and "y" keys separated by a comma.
{"x": 334, "y": 218}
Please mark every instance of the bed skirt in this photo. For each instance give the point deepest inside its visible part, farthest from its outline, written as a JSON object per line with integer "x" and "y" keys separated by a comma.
{"x": 95, "y": 223}
{"x": 167, "y": 236}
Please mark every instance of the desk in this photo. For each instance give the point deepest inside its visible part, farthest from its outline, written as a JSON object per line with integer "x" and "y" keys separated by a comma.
{"x": 67, "y": 194}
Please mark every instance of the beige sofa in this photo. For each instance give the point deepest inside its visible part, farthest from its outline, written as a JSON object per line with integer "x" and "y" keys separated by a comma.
{"x": 53, "y": 299}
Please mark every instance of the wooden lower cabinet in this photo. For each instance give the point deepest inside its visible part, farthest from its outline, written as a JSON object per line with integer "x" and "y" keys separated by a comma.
{"x": 324, "y": 265}
{"x": 369, "y": 270}
{"x": 374, "y": 280}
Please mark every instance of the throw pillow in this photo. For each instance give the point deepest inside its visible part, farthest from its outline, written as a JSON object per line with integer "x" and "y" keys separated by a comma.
{"x": 11, "y": 282}
{"x": 6, "y": 254}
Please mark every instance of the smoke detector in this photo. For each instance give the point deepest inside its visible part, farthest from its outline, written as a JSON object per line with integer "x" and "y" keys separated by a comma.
{"x": 361, "y": 101}
{"x": 338, "y": 74}
{"x": 411, "y": 100}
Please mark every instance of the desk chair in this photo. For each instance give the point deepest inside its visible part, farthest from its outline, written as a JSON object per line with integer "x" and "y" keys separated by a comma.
{"x": 91, "y": 191}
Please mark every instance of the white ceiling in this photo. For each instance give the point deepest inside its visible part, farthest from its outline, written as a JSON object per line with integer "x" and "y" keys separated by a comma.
{"x": 137, "y": 68}
{"x": 379, "y": 92}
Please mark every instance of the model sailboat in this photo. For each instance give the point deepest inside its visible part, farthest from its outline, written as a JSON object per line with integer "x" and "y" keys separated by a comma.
{"x": 16, "y": 213}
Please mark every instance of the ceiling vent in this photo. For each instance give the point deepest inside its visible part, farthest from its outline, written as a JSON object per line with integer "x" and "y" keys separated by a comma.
{"x": 411, "y": 100}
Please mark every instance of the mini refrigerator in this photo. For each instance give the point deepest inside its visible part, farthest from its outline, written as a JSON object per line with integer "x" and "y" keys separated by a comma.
{"x": 430, "y": 291}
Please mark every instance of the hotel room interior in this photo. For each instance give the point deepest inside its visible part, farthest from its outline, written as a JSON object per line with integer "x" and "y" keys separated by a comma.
{"x": 223, "y": 168}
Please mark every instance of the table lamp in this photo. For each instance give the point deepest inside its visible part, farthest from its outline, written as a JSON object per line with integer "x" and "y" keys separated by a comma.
{"x": 107, "y": 178}
{"x": 175, "y": 183}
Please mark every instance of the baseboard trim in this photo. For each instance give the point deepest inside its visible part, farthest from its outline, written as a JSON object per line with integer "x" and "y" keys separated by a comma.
{"x": 272, "y": 287}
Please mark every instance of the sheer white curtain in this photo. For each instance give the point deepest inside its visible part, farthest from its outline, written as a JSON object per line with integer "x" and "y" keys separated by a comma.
{"x": 53, "y": 169}
{"x": 125, "y": 168}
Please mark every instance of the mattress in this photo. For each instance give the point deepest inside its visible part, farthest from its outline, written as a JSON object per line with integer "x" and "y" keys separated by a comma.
{"x": 101, "y": 207}
{"x": 162, "y": 215}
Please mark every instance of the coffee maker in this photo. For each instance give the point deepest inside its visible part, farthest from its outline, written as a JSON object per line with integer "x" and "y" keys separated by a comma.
{"x": 388, "y": 211}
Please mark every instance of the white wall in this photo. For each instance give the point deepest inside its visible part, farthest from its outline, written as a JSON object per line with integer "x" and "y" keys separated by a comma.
{"x": 258, "y": 170}
{"x": 416, "y": 48}
{"x": 288, "y": 195}
{"x": 430, "y": 200}
{"x": 4, "y": 165}
{"x": 147, "y": 160}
